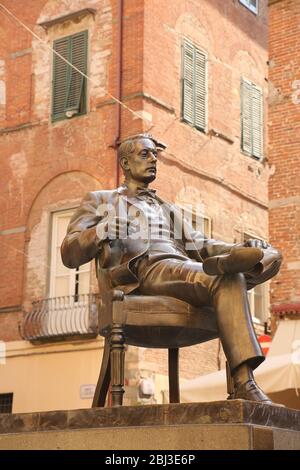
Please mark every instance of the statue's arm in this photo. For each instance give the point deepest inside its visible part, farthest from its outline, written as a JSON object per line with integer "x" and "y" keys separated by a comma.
{"x": 212, "y": 247}
{"x": 206, "y": 247}
{"x": 84, "y": 240}
{"x": 209, "y": 246}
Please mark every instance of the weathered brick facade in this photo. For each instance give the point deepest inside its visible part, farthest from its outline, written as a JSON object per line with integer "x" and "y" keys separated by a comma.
{"x": 48, "y": 166}
{"x": 284, "y": 157}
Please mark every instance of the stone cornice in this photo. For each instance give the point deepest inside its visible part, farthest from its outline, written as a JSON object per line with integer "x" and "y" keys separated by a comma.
{"x": 69, "y": 17}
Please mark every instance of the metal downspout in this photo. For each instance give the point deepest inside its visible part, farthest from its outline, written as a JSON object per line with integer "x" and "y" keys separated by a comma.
{"x": 119, "y": 83}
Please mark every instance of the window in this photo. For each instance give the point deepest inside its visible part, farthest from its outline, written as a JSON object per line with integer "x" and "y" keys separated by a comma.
{"x": 252, "y": 5}
{"x": 251, "y": 119}
{"x": 198, "y": 221}
{"x": 6, "y": 401}
{"x": 258, "y": 297}
{"x": 70, "y": 309}
{"x": 194, "y": 86}
{"x": 203, "y": 223}
{"x": 69, "y": 86}
{"x": 65, "y": 281}
{"x": 258, "y": 301}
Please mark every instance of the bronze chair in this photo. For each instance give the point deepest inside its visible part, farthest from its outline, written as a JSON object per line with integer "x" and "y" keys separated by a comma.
{"x": 151, "y": 322}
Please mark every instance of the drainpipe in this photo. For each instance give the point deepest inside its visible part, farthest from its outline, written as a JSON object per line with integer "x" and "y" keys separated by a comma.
{"x": 118, "y": 109}
{"x": 119, "y": 83}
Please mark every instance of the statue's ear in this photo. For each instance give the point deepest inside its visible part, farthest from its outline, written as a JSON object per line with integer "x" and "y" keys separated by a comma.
{"x": 124, "y": 163}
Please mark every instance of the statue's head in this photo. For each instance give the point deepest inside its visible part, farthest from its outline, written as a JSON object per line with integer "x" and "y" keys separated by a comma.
{"x": 138, "y": 157}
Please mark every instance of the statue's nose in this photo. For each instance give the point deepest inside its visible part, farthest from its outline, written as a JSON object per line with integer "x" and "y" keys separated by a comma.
{"x": 153, "y": 157}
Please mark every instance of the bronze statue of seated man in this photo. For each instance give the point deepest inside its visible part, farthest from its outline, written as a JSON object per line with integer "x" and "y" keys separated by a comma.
{"x": 156, "y": 251}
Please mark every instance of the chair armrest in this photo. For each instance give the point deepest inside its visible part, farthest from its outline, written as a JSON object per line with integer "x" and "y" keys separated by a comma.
{"x": 117, "y": 294}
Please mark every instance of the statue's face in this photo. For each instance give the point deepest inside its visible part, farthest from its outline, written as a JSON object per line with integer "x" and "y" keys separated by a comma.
{"x": 141, "y": 165}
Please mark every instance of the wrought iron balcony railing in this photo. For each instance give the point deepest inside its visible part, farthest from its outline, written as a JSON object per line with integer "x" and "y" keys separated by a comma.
{"x": 59, "y": 318}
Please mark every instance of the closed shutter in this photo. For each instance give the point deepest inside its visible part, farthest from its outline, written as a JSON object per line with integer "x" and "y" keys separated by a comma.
{"x": 251, "y": 119}
{"x": 246, "y": 116}
{"x": 69, "y": 86}
{"x": 188, "y": 83}
{"x": 60, "y": 77}
{"x": 194, "y": 86}
{"x": 257, "y": 122}
{"x": 200, "y": 89}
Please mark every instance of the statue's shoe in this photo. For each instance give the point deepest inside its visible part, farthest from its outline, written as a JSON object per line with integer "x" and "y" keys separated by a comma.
{"x": 238, "y": 260}
{"x": 250, "y": 391}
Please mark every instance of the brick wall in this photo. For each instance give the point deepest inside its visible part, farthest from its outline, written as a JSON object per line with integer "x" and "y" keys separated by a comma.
{"x": 46, "y": 166}
{"x": 39, "y": 158}
{"x": 284, "y": 135}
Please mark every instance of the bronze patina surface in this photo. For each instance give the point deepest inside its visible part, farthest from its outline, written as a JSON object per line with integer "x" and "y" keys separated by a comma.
{"x": 113, "y": 227}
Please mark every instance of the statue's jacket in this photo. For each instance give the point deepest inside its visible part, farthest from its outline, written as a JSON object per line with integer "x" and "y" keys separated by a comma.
{"x": 118, "y": 256}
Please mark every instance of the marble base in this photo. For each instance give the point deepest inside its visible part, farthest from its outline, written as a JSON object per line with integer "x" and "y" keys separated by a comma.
{"x": 235, "y": 424}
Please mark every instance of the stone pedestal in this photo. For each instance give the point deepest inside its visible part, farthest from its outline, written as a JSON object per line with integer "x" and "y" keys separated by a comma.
{"x": 235, "y": 424}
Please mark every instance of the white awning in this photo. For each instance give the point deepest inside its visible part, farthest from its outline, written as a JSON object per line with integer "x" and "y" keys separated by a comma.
{"x": 286, "y": 339}
{"x": 280, "y": 372}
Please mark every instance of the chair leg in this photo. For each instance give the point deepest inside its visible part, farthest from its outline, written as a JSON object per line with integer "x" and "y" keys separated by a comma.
{"x": 117, "y": 357}
{"x": 104, "y": 378}
{"x": 174, "y": 394}
{"x": 230, "y": 386}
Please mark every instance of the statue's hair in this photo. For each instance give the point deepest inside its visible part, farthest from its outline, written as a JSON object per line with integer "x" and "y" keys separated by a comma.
{"x": 127, "y": 147}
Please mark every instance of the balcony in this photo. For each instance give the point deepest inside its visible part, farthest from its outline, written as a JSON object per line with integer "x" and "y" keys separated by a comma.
{"x": 61, "y": 318}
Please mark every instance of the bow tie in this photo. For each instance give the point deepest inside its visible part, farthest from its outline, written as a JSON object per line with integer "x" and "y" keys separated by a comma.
{"x": 141, "y": 192}
{"x": 146, "y": 192}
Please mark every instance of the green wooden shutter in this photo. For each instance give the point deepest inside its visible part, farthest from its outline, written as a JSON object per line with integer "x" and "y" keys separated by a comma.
{"x": 246, "y": 117}
{"x": 200, "y": 91}
{"x": 194, "y": 86}
{"x": 60, "y": 77}
{"x": 251, "y": 119}
{"x": 78, "y": 52}
{"x": 188, "y": 83}
{"x": 257, "y": 122}
{"x": 69, "y": 86}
